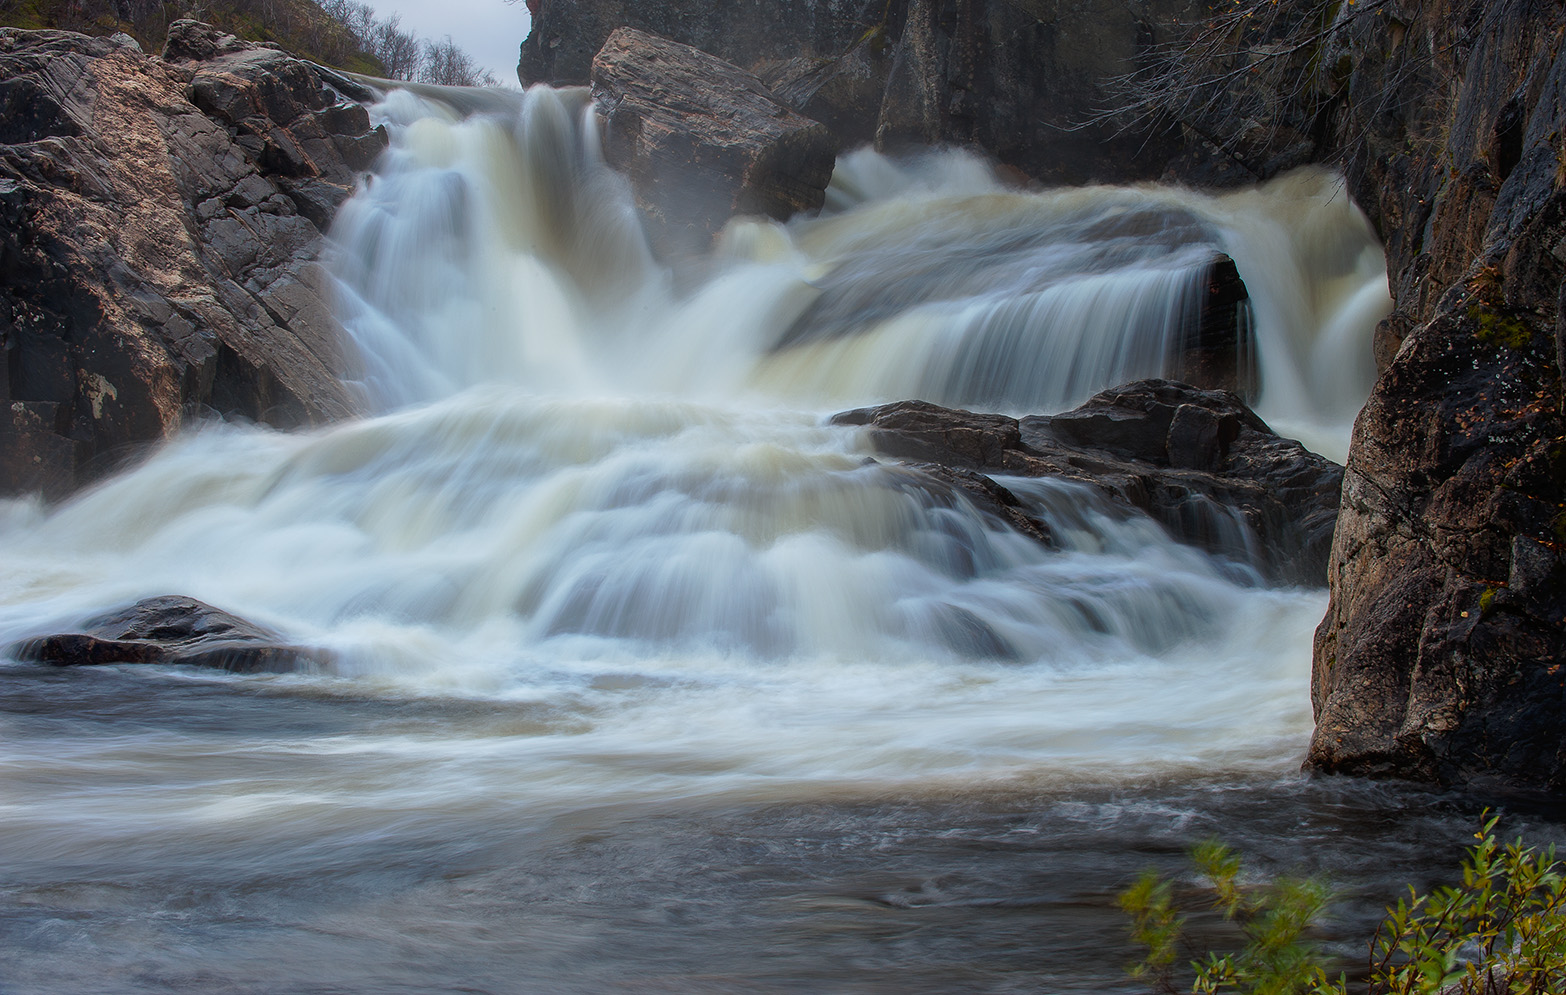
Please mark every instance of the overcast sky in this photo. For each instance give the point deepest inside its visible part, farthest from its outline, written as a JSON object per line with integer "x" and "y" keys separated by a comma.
{"x": 491, "y": 31}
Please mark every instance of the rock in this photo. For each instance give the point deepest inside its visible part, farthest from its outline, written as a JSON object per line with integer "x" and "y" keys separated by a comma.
{"x": 159, "y": 224}
{"x": 1016, "y": 78}
{"x": 1199, "y": 462}
{"x": 1219, "y": 353}
{"x": 171, "y": 631}
{"x": 844, "y": 93}
{"x": 702, "y": 140}
{"x": 567, "y": 34}
{"x": 1441, "y": 656}
{"x": 981, "y": 493}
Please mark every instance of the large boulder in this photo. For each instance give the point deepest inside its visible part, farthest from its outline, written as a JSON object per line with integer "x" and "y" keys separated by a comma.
{"x": 702, "y": 140}
{"x": 171, "y": 631}
{"x": 567, "y": 34}
{"x": 1443, "y": 653}
{"x": 159, "y": 225}
{"x": 1199, "y": 462}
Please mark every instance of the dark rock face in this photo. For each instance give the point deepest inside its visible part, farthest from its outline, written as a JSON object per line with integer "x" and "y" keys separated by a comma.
{"x": 1442, "y": 654}
{"x": 1014, "y": 77}
{"x": 567, "y": 34}
{"x": 1219, "y": 353}
{"x": 1199, "y": 462}
{"x": 159, "y": 222}
{"x": 171, "y": 631}
{"x": 843, "y": 93}
{"x": 702, "y": 140}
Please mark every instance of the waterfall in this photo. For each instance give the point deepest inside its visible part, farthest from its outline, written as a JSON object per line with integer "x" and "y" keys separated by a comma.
{"x": 502, "y": 250}
{"x": 579, "y": 466}
{"x": 595, "y": 552}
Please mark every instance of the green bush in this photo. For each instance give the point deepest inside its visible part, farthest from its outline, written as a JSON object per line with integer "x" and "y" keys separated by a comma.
{"x": 1501, "y": 931}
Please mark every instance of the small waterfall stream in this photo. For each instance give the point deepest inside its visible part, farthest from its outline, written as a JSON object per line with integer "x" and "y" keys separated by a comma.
{"x": 641, "y": 665}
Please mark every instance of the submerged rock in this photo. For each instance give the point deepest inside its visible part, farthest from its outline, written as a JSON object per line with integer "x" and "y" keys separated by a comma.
{"x": 159, "y": 222}
{"x": 703, "y": 140}
{"x": 171, "y": 631}
{"x": 1199, "y": 462}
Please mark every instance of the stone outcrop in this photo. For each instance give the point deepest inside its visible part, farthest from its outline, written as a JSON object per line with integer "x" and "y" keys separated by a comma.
{"x": 1199, "y": 462}
{"x": 567, "y": 34}
{"x": 702, "y": 140}
{"x": 159, "y": 222}
{"x": 171, "y": 631}
{"x": 1443, "y": 653}
{"x": 1016, "y": 78}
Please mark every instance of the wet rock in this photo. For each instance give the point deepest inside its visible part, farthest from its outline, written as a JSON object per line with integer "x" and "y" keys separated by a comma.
{"x": 985, "y": 495}
{"x": 702, "y": 140}
{"x": 171, "y": 631}
{"x": 947, "y": 436}
{"x": 1199, "y": 462}
{"x": 1443, "y": 653}
{"x": 159, "y": 224}
{"x": 843, "y": 93}
{"x": 1219, "y": 352}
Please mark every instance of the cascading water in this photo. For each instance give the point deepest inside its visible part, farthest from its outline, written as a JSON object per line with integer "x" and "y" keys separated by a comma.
{"x": 638, "y": 662}
{"x": 503, "y": 252}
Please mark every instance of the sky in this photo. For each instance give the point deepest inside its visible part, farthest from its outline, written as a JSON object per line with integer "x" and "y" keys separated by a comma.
{"x": 491, "y": 31}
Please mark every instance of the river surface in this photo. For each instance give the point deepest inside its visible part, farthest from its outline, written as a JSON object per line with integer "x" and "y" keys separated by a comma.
{"x": 644, "y": 677}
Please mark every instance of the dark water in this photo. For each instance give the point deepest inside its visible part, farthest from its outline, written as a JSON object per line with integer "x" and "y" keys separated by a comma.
{"x": 1001, "y": 888}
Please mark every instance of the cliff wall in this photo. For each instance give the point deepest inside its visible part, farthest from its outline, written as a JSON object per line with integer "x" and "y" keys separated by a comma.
{"x": 1018, "y": 78}
{"x": 1443, "y": 653}
{"x": 161, "y": 218}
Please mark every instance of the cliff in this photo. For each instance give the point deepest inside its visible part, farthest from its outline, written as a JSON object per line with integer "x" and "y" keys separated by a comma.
{"x": 1017, "y": 78}
{"x": 1443, "y": 653}
{"x": 161, "y": 221}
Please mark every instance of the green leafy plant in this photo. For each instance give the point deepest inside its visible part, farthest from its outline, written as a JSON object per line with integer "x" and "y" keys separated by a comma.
{"x": 1500, "y": 931}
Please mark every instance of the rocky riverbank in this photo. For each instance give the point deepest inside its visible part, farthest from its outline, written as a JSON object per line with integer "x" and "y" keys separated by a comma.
{"x": 1443, "y": 653}
{"x": 162, "y": 217}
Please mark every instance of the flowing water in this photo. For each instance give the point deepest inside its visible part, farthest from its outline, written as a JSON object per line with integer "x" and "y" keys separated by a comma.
{"x": 644, "y": 677}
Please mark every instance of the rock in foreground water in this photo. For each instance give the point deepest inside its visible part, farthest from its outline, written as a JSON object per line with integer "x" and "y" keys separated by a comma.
{"x": 171, "y": 631}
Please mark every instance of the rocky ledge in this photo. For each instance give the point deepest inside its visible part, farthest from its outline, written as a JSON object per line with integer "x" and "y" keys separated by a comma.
{"x": 1199, "y": 462}
{"x": 1016, "y": 78}
{"x": 159, "y": 224}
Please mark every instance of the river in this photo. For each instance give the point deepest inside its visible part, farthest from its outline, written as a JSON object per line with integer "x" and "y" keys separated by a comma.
{"x": 644, "y": 677}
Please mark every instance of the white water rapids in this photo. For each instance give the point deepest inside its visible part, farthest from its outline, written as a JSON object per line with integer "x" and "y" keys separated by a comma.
{"x": 595, "y": 544}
